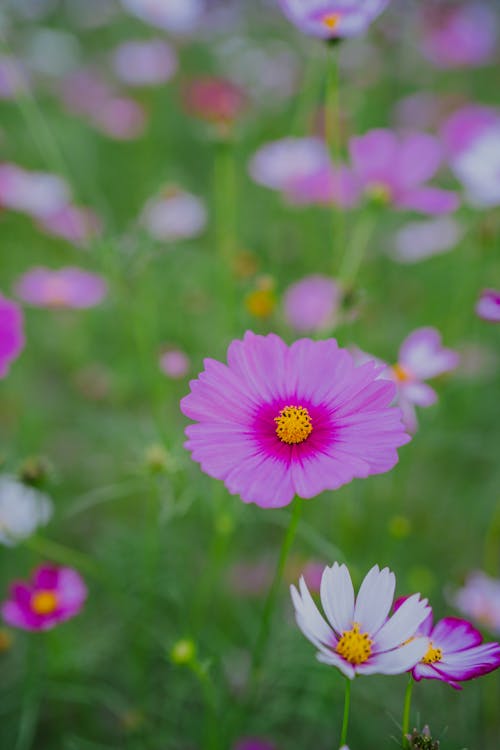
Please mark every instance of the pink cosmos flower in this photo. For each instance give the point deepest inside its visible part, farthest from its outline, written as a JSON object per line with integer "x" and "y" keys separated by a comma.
{"x": 11, "y": 333}
{"x": 216, "y": 100}
{"x": 488, "y": 305}
{"x": 358, "y": 636}
{"x": 174, "y": 214}
{"x": 279, "y": 421}
{"x": 421, "y": 357}
{"x": 312, "y": 304}
{"x": 38, "y": 194}
{"x": 147, "y": 63}
{"x": 174, "y": 363}
{"x": 66, "y": 287}
{"x": 331, "y": 19}
{"x": 176, "y": 16}
{"x": 253, "y": 743}
{"x": 72, "y": 223}
{"x": 393, "y": 169}
{"x": 419, "y": 240}
{"x": 480, "y": 599}
{"x": 51, "y": 597}
{"x": 460, "y": 36}
{"x": 455, "y": 652}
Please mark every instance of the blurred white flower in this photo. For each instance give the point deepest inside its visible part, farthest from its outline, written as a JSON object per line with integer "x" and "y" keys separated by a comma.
{"x": 22, "y": 510}
{"x": 174, "y": 214}
{"x": 478, "y": 169}
{"x": 418, "y": 240}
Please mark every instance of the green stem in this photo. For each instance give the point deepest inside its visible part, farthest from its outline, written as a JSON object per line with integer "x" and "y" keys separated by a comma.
{"x": 225, "y": 212}
{"x": 347, "y": 707}
{"x": 270, "y": 604}
{"x": 406, "y": 712}
{"x": 212, "y": 724}
{"x": 332, "y": 132}
{"x": 353, "y": 258}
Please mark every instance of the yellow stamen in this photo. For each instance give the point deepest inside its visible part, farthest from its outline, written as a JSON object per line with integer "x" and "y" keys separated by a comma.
{"x": 332, "y": 20}
{"x": 433, "y": 655}
{"x": 293, "y": 425}
{"x": 401, "y": 374}
{"x": 44, "y": 602}
{"x": 355, "y": 647}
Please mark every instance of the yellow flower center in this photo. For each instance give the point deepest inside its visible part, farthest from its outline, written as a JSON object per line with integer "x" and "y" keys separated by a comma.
{"x": 293, "y": 425}
{"x": 432, "y": 655}
{"x": 331, "y": 20}
{"x": 401, "y": 374}
{"x": 44, "y": 602}
{"x": 56, "y": 291}
{"x": 355, "y": 647}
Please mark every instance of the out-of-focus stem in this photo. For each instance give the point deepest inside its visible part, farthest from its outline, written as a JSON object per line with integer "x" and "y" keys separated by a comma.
{"x": 353, "y": 256}
{"x": 332, "y": 133}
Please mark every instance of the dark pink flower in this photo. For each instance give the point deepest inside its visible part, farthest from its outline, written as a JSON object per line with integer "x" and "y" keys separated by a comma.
{"x": 11, "y": 333}
{"x": 279, "y": 421}
{"x": 66, "y": 287}
{"x": 331, "y": 19}
{"x": 460, "y": 35}
{"x": 394, "y": 169}
{"x": 216, "y": 100}
{"x": 51, "y": 597}
{"x": 488, "y": 305}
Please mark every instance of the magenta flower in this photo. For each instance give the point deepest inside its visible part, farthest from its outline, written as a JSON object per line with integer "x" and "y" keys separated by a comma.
{"x": 358, "y": 636}
{"x": 455, "y": 652}
{"x": 174, "y": 363}
{"x": 331, "y": 19}
{"x": 460, "y": 36}
{"x": 51, "y": 597}
{"x": 312, "y": 304}
{"x": 216, "y": 100}
{"x": 480, "y": 599}
{"x": 11, "y": 333}
{"x": 279, "y": 421}
{"x": 66, "y": 287}
{"x": 393, "y": 169}
{"x": 147, "y": 63}
{"x": 488, "y": 305}
{"x": 421, "y": 357}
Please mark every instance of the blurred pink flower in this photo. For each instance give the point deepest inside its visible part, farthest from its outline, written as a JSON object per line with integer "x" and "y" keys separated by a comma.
{"x": 480, "y": 599}
{"x": 331, "y": 19}
{"x": 174, "y": 214}
{"x": 393, "y": 168}
{"x": 12, "y": 339}
{"x": 72, "y": 223}
{"x": 461, "y": 129}
{"x": 14, "y": 78}
{"x": 145, "y": 63}
{"x": 280, "y": 421}
{"x": 216, "y": 100}
{"x": 253, "y": 743}
{"x": 176, "y": 16}
{"x": 461, "y": 35}
{"x": 174, "y": 363}
{"x": 38, "y": 194}
{"x": 488, "y": 305}
{"x": 121, "y": 118}
{"x": 63, "y": 288}
{"x": 312, "y": 304}
{"x": 419, "y": 240}
{"x": 51, "y": 597}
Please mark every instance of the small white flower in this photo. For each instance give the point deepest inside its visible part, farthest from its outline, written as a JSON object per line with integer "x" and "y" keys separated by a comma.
{"x": 22, "y": 510}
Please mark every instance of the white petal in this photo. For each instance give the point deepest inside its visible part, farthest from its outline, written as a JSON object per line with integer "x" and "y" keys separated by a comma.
{"x": 396, "y": 661}
{"x": 374, "y": 599}
{"x": 403, "y": 624}
{"x": 334, "y": 660}
{"x": 309, "y": 619}
{"x": 337, "y": 597}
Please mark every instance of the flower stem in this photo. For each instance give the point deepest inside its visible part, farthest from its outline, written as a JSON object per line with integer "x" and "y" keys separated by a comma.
{"x": 359, "y": 241}
{"x": 270, "y": 604}
{"x": 332, "y": 133}
{"x": 225, "y": 200}
{"x": 406, "y": 712}
{"x": 347, "y": 707}
{"x": 211, "y": 722}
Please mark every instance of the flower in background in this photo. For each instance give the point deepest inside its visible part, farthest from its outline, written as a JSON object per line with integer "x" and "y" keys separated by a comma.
{"x": 358, "y": 636}
{"x": 66, "y": 287}
{"x": 332, "y": 19}
{"x": 14, "y": 78}
{"x": 312, "y": 304}
{"x": 11, "y": 333}
{"x": 253, "y": 743}
{"x": 459, "y": 36}
{"x": 121, "y": 118}
{"x": 22, "y": 510}
{"x": 465, "y": 126}
{"x": 419, "y": 240}
{"x": 54, "y": 595}
{"x": 480, "y": 599}
{"x": 38, "y": 194}
{"x": 144, "y": 63}
{"x": 216, "y": 100}
{"x": 174, "y": 214}
{"x": 174, "y": 363}
{"x": 455, "y": 652}
{"x": 421, "y": 357}
{"x": 72, "y": 223}
{"x": 488, "y": 305}
{"x": 176, "y": 16}
{"x": 279, "y": 421}
{"x": 392, "y": 169}
{"x": 261, "y": 301}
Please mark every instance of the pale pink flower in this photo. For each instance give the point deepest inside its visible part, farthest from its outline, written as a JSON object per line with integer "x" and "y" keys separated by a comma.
{"x": 63, "y": 288}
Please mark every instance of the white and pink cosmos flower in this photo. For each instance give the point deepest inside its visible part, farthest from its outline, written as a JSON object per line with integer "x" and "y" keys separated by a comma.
{"x": 479, "y": 599}
{"x": 356, "y": 635}
{"x": 332, "y": 19}
{"x": 488, "y": 305}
